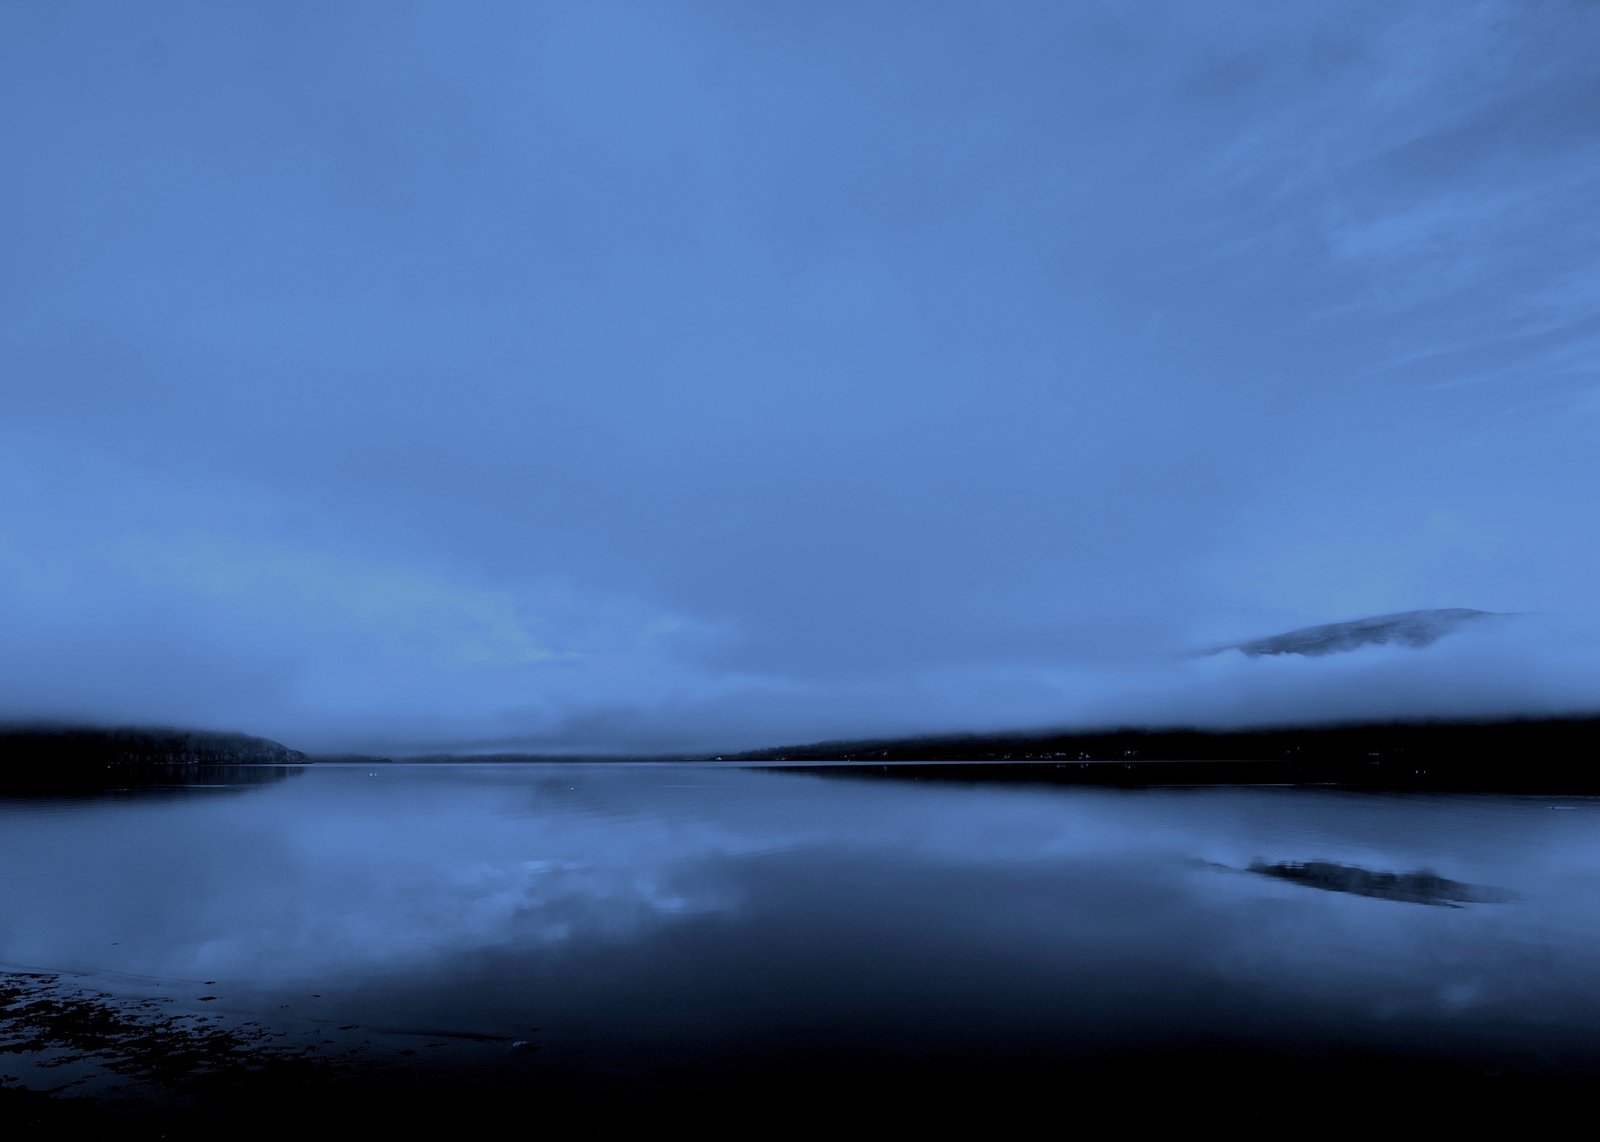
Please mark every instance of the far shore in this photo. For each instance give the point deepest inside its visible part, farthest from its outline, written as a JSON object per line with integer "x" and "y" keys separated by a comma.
{"x": 1523, "y": 755}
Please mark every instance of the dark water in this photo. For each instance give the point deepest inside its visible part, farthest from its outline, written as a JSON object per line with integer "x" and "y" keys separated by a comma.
{"x": 700, "y": 933}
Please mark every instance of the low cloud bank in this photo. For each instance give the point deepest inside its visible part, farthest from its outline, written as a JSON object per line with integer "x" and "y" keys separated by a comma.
{"x": 347, "y": 653}
{"x": 1525, "y": 665}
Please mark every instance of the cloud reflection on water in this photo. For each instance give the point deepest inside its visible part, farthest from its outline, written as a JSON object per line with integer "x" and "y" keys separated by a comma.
{"x": 707, "y": 883}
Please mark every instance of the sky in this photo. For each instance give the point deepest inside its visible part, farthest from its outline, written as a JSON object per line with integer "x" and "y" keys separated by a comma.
{"x": 658, "y": 376}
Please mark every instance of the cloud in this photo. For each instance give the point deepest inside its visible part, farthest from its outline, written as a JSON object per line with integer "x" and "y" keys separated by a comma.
{"x": 791, "y": 371}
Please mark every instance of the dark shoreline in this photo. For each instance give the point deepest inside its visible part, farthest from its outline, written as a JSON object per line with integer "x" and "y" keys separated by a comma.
{"x": 1538, "y": 778}
{"x": 1533, "y": 756}
{"x": 1556, "y": 755}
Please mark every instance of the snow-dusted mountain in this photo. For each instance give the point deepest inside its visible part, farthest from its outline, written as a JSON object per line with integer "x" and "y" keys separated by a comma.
{"x": 1407, "y": 628}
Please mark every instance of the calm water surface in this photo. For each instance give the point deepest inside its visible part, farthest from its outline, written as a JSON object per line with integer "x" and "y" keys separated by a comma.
{"x": 633, "y": 919}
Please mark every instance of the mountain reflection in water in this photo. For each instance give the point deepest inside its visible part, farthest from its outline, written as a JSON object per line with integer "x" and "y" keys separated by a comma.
{"x": 1419, "y": 887}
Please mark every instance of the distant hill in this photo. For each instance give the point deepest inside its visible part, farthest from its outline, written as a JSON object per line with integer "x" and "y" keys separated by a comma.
{"x": 1545, "y": 755}
{"x": 1405, "y": 628}
{"x": 82, "y": 747}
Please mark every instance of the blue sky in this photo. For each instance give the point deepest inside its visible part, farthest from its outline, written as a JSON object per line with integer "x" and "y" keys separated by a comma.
{"x": 650, "y": 375}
